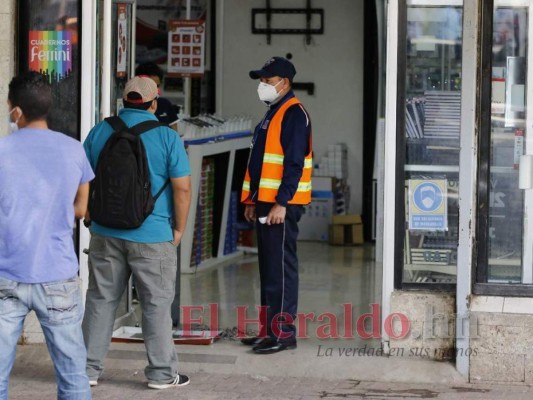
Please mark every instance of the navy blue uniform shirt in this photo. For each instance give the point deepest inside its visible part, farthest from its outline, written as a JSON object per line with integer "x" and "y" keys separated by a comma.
{"x": 295, "y": 133}
{"x": 166, "y": 112}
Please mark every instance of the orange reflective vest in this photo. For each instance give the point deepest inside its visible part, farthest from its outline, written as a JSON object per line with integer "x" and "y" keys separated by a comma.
{"x": 272, "y": 171}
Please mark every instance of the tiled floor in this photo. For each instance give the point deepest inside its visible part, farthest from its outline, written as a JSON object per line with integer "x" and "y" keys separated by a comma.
{"x": 332, "y": 279}
{"x": 329, "y": 277}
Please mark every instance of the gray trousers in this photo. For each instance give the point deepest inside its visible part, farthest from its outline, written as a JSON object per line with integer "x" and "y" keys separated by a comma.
{"x": 111, "y": 263}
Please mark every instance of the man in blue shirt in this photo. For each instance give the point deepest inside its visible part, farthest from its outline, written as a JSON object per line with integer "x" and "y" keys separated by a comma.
{"x": 44, "y": 187}
{"x": 147, "y": 252}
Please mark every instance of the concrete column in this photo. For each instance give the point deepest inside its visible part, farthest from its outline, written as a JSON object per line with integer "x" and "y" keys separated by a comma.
{"x": 467, "y": 183}
{"x": 7, "y": 57}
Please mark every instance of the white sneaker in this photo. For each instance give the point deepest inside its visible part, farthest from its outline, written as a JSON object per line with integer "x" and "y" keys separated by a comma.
{"x": 93, "y": 382}
{"x": 181, "y": 380}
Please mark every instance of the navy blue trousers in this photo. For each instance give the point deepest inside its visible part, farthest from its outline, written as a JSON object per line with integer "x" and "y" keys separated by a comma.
{"x": 278, "y": 270}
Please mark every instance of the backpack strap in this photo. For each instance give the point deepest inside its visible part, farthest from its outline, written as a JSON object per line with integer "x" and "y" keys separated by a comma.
{"x": 144, "y": 126}
{"x": 116, "y": 123}
{"x": 161, "y": 190}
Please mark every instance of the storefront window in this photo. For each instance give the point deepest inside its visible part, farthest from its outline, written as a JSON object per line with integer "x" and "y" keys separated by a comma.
{"x": 504, "y": 257}
{"x": 430, "y": 136}
{"x": 121, "y": 58}
{"x": 154, "y": 20}
{"x": 48, "y": 43}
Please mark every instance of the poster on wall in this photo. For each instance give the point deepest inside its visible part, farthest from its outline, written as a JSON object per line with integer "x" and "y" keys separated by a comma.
{"x": 50, "y": 53}
{"x": 46, "y": 39}
{"x": 428, "y": 205}
{"x": 122, "y": 41}
{"x": 186, "y": 48}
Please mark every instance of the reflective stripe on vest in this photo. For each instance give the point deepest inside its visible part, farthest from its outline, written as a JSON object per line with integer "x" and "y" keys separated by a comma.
{"x": 272, "y": 170}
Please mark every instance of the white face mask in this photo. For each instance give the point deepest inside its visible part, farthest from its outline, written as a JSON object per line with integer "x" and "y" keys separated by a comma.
{"x": 12, "y": 125}
{"x": 267, "y": 92}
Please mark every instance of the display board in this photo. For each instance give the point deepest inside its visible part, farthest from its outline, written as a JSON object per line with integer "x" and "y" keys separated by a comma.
{"x": 186, "y": 48}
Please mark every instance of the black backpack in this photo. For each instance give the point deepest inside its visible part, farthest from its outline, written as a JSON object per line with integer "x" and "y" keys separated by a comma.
{"x": 120, "y": 196}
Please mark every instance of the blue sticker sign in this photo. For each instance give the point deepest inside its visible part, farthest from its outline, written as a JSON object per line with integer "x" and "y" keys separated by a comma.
{"x": 428, "y": 204}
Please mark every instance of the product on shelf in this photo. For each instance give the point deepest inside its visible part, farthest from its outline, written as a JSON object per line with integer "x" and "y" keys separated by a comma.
{"x": 335, "y": 163}
{"x": 202, "y": 248}
{"x": 209, "y": 126}
{"x": 230, "y": 244}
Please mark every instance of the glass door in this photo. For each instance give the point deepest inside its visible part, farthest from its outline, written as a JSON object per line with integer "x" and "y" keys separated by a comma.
{"x": 505, "y": 226}
{"x": 48, "y": 34}
{"x": 48, "y": 43}
{"x": 428, "y": 141}
{"x": 113, "y": 70}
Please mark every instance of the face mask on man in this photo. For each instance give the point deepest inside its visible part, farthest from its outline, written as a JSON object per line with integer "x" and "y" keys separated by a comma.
{"x": 13, "y": 126}
{"x": 267, "y": 92}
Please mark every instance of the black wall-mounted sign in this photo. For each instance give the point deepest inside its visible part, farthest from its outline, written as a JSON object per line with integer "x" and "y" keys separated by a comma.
{"x": 270, "y": 12}
{"x": 307, "y": 86}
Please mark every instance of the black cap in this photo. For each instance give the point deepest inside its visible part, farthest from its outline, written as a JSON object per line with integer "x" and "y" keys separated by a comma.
{"x": 276, "y": 66}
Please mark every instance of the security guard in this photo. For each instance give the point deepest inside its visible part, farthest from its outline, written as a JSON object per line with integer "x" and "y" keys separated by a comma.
{"x": 276, "y": 187}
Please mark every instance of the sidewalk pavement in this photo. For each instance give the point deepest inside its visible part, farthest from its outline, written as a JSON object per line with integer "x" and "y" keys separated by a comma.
{"x": 229, "y": 370}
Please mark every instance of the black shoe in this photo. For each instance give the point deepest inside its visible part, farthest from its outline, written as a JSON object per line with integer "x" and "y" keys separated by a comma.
{"x": 270, "y": 346}
{"x": 180, "y": 380}
{"x": 252, "y": 341}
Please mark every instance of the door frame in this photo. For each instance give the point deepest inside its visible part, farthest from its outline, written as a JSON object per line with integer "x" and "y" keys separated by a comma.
{"x": 89, "y": 63}
{"x": 467, "y": 170}
{"x": 87, "y": 112}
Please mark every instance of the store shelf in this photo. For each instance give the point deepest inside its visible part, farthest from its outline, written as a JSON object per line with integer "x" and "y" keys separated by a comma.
{"x": 224, "y": 153}
{"x": 215, "y": 138}
{"x": 503, "y": 170}
{"x": 417, "y": 271}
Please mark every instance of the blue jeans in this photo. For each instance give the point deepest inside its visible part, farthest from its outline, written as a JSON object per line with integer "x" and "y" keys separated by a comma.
{"x": 59, "y": 308}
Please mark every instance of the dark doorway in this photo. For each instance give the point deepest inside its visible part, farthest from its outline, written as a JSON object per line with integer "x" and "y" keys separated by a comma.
{"x": 370, "y": 110}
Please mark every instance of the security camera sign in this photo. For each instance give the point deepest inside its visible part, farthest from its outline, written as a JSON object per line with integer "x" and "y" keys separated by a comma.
{"x": 428, "y": 205}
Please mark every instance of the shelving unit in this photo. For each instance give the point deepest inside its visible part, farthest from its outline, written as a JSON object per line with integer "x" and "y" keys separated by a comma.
{"x": 230, "y": 157}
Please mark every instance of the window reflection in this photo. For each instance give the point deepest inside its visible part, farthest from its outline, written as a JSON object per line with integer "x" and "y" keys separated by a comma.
{"x": 507, "y": 138}
{"x": 47, "y": 19}
{"x": 433, "y": 113}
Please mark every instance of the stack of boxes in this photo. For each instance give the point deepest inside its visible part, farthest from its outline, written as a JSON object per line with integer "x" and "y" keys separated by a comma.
{"x": 335, "y": 163}
{"x": 315, "y": 221}
{"x": 341, "y": 194}
{"x": 330, "y": 197}
{"x": 346, "y": 230}
{"x": 232, "y": 235}
{"x": 202, "y": 248}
